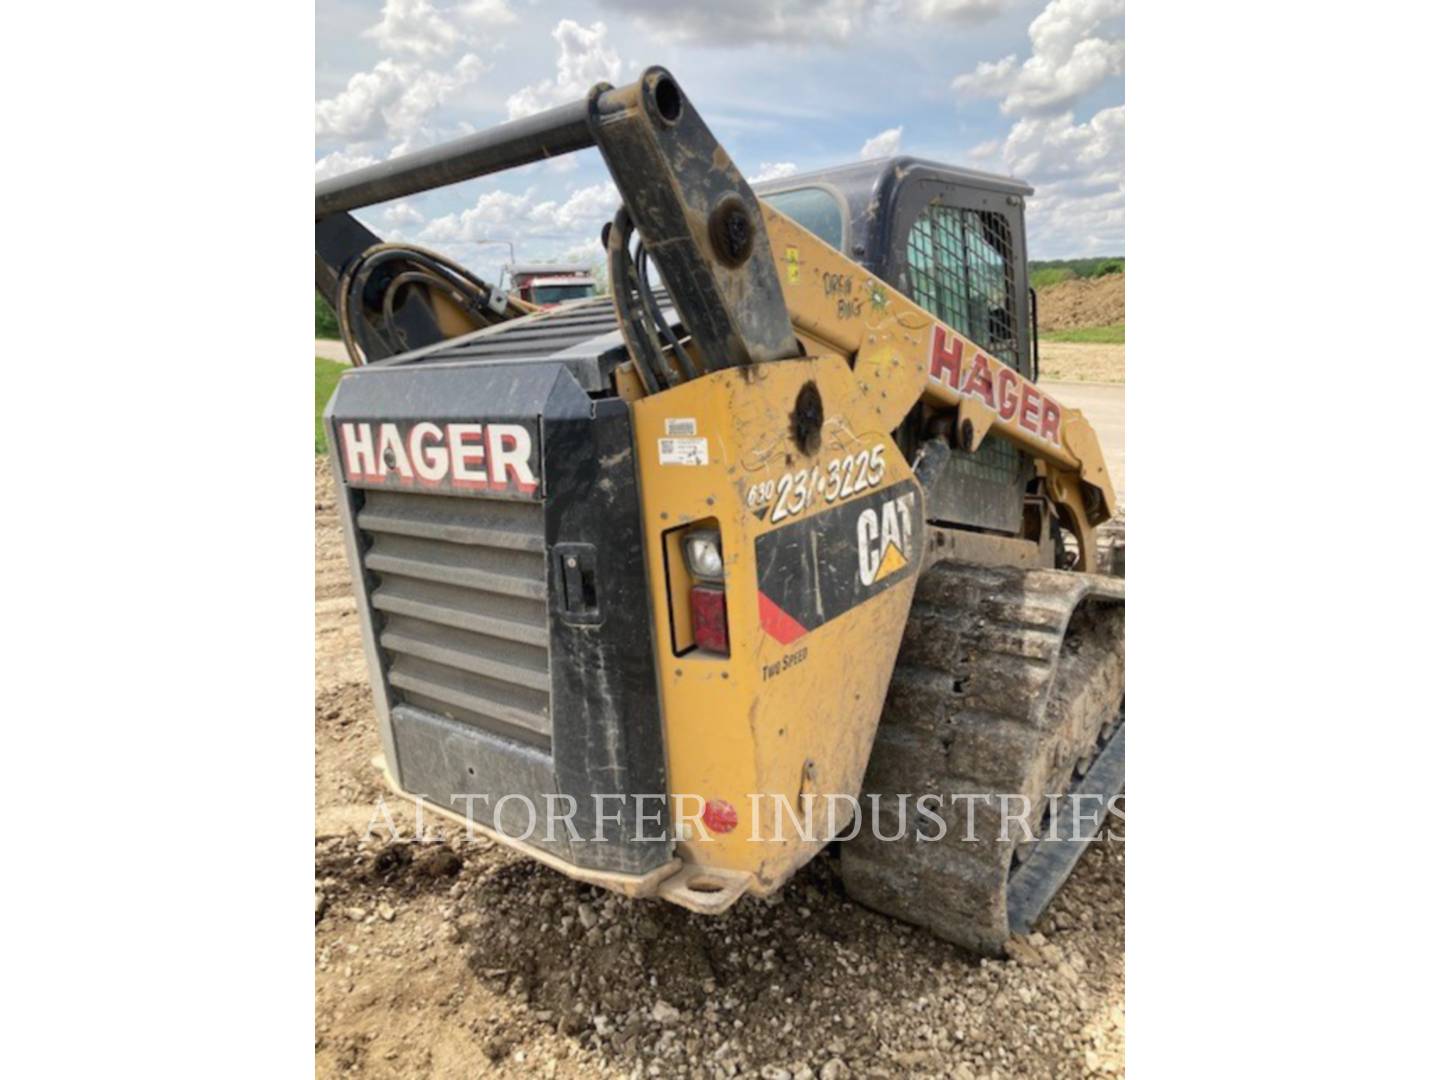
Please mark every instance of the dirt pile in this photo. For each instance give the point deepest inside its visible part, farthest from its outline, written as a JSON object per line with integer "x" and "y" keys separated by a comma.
{"x": 455, "y": 957}
{"x": 1081, "y": 302}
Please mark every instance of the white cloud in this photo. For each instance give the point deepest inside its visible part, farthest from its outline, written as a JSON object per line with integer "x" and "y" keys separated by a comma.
{"x": 487, "y": 14}
{"x": 1062, "y": 226}
{"x": 585, "y": 59}
{"x": 967, "y": 11}
{"x": 739, "y": 22}
{"x": 402, "y": 215}
{"x": 588, "y": 252}
{"x": 1078, "y": 171}
{"x": 1055, "y": 148}
{"x": 1069, "y": 58}
{"x": 494, "y": 208}
{"x": 418, "y": 27}
{"x": 414, "y": 26}
{"x": 596, "y": 203}
{"x": 393, "y": 98}
{"x": 341, "y": 162}
{"x": 507, "y": 216}
{"x": 886, "y": 144}
{"x": 774, "y": 170}
{"x": 790, "y": 22}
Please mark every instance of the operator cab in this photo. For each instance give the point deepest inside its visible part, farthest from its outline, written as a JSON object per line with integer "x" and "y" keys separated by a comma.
{"x": 953, "y": 241}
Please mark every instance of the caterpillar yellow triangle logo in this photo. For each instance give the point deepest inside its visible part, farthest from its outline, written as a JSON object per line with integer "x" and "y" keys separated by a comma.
{"x": 893, "y": 559}
{"x": 886, "y": 538}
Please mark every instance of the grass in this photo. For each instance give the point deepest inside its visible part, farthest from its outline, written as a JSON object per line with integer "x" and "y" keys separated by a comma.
{"x": 325, "y": 324}
{"x": 327, "y": 374}
{"x": 1049, "y": 275}
{"x": 1049, "y": 271}
{"x": 1089, "y": 335}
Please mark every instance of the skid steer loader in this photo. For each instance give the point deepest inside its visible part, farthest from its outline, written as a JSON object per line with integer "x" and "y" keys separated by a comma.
{"x": 784, "y": 522}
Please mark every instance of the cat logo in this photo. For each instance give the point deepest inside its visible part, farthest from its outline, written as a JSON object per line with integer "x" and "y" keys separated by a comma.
{"x": 886, "y": 536}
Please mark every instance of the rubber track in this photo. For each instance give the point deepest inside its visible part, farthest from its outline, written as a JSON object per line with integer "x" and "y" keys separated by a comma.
{"x": 1004, "y": 681}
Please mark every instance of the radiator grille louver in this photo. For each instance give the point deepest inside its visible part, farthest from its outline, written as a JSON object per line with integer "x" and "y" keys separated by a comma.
{"x": 459, "y": 588}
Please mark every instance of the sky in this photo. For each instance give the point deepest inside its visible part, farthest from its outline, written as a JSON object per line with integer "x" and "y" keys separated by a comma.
{"x": 1032, "y": 89}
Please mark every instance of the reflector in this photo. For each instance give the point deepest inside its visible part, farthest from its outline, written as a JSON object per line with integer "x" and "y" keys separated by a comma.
{"x": 707, "y": 619}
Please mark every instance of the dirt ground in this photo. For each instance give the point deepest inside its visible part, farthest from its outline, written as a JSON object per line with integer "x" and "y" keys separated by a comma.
{"x": 1081, "y": 302}
{"x": 458, "y": 958}
{"x": 1082, "y": 363}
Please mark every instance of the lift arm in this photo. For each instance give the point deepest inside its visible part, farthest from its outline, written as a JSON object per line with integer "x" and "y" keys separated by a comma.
{"x": 750, "y": 285}
{"x": 901, "y": 354}
{"x": 693, "y": 210}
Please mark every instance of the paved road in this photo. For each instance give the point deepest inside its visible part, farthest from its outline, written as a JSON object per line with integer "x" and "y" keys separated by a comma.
{"x": 331, "y": 350}
{"x": 1104, "y": 406}
{"x": 1102, "y": 403}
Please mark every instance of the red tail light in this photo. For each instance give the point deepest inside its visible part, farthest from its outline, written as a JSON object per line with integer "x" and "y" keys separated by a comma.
{"x": 707, "y": 619}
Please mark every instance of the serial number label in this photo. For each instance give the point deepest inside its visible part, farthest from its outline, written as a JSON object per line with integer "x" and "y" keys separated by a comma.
{"x": 688, "y": 451}
{"x": 785, "y": 663}
{"x": 835, "y": 480}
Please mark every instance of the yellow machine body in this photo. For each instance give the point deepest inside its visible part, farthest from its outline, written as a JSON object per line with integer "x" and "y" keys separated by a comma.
{"x": 771, "y": 427}
{"x": 781, "y": 731}
{"x": 781, "y": 717}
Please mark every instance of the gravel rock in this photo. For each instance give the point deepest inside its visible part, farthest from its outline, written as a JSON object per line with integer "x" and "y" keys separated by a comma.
{"x": 1023, "y": 952}
{"x": 438, "y": 862}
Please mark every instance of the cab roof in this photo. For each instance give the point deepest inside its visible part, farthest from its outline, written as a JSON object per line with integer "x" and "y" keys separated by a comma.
{"x": 871, "y": 193}
{"x": 865, "y": 176}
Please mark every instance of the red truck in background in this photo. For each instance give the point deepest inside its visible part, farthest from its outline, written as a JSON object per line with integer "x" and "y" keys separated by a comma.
{"x": 549, "y": 284}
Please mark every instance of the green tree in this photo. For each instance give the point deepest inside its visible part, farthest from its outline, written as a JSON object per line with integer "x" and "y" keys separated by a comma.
{"x": 326, "y": 325}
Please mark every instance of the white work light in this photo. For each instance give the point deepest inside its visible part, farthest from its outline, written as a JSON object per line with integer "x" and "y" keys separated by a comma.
{"x": 702, "y": 554}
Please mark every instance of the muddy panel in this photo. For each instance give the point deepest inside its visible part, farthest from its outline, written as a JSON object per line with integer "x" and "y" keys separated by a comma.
{"x": 455, "y": 766}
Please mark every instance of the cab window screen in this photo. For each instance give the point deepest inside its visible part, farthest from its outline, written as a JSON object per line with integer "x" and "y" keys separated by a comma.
{"x": 814, "y": 209}
{"x": 962, "y": 270}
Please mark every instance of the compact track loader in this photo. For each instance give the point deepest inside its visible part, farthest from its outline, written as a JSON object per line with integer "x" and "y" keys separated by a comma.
{"x": 780, "y": 539}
